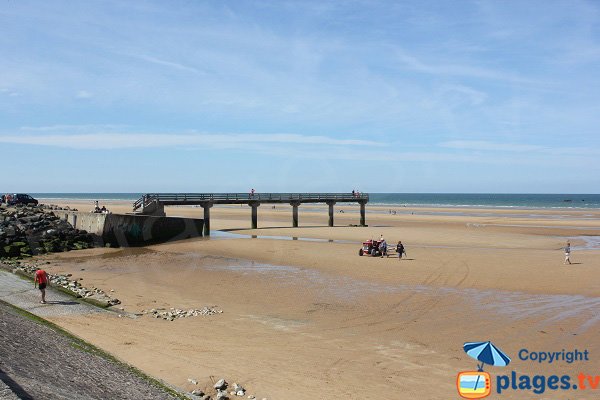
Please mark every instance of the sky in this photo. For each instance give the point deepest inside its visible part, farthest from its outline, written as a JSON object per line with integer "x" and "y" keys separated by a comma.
{"x": 295, "y": 96}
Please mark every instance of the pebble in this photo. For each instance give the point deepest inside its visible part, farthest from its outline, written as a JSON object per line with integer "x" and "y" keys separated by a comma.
{"x": 174, "y": 313}
{"x": 221, "y": 384}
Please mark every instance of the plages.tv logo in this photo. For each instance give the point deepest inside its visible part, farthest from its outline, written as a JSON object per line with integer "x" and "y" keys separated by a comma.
{"x": 478, "y": 384}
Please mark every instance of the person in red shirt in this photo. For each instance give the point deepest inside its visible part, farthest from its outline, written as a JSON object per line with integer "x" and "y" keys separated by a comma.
{"x": 41, "y": 280}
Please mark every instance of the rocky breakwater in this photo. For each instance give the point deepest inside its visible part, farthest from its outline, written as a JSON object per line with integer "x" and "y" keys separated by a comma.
{"x": 31, "y": 230}
{"x": 68, "y": 284}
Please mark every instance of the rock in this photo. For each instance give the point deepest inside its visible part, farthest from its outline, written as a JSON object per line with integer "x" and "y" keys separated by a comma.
{"x": 221, "y": 384}
{"x": 237, "y": 387}
{"x": 197, "y": 392}
{"x": 192, "y": 381}
{"x": 222, "y": 396}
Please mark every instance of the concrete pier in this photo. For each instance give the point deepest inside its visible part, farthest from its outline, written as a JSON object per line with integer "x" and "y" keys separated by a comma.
{"x": 254, "y": 205}
{"x": 207, "y": 206}
{"x": 153, "y": 204}
{"x": 123, "y": 230}
{"x": 362, "y": 213}
{"x": 331, "y": 204}
{"x": 295, "y": 205}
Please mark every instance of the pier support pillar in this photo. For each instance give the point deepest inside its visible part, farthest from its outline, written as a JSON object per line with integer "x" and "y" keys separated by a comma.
{"x": 254, "y": 205}
{"x": 295, "y": 205}
{"x": 331, "y": 204}
{"x": 362, "y": 214}
{"x": 206, "y": 207}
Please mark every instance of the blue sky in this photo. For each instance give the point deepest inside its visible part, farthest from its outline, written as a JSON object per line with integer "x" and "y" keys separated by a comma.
{"x": 203, "y": 96}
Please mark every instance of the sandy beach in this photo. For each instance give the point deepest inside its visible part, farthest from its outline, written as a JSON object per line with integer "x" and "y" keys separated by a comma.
{"x": 309, "y": 318}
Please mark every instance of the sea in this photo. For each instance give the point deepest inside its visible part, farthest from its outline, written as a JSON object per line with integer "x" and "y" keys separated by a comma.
{"x": 465, "y": 200}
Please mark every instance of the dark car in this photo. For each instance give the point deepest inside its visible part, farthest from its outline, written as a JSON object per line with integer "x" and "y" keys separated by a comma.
{"x": 19, "y": 198}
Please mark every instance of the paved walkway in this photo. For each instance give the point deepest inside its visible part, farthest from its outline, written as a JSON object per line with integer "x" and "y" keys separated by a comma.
{"x": 21, "y": 293}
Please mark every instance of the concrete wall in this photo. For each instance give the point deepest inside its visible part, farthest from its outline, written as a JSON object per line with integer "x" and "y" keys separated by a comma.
{"x": 134, "y": 230}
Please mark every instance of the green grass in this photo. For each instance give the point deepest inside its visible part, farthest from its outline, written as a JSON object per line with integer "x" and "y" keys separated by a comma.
{"x": 82, "y": 345}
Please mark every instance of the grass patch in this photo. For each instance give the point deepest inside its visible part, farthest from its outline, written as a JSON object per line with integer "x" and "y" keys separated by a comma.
{"x": 82, "y": 345}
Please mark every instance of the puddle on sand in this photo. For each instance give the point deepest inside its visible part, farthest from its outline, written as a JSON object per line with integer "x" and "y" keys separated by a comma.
{"x": 548, "y": 309}
{"x": 231, "y": 235}
{"x": 589, "y": 242}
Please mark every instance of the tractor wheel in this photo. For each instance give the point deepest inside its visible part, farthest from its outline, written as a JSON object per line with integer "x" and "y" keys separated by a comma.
{"x": 361, "y": 252}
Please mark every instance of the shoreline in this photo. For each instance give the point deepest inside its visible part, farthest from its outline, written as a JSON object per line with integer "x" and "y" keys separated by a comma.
{"x": 564, "y": 204}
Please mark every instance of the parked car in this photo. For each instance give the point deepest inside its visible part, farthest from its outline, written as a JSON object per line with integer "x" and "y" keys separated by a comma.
{"x": 19, "y": 198}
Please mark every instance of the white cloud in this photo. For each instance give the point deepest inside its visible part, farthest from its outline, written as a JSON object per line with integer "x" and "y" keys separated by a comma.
{"x": 455, "y": 69}
{"x": 84, "y": 94}
{"x": 489, "y": 146}
{"x": 166, "y": 63}
{"x": 145, "y": 140}
{"x": 71, "y": 128}
{"x": 530, "y": 149}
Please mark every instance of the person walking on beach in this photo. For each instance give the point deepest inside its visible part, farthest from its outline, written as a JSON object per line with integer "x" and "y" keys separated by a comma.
{"x": 568, "y": 253}
{"x": 41, "y": 280}
{"x": 400, "y": 250}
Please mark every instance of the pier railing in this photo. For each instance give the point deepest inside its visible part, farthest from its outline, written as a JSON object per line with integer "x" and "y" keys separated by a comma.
{"x": 236, "y": 198}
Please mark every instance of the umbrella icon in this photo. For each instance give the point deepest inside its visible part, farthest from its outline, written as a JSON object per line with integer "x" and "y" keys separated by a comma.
{"x": 487, "y": 353}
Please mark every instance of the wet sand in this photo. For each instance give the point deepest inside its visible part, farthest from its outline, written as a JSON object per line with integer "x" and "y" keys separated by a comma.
{"x": 311, "y": 319}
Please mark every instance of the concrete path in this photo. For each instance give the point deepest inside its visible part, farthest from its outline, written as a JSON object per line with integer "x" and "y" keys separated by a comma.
{"x": 21, "y": 293}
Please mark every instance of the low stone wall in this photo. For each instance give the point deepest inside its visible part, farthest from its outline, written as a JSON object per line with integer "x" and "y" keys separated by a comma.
{"x": 134, "y": 230}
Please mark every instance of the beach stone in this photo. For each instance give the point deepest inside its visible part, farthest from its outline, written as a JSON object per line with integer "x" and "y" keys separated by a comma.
{"x": 221, "y": 384}
{"x": 222, "y": 396}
